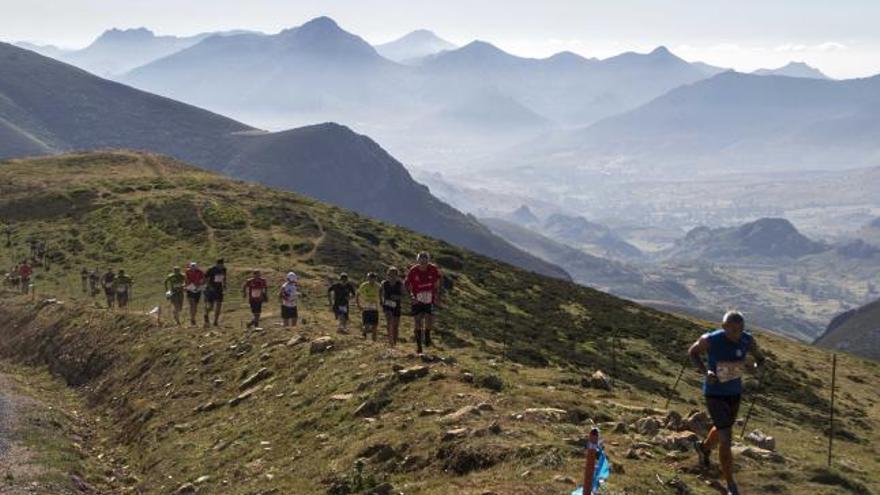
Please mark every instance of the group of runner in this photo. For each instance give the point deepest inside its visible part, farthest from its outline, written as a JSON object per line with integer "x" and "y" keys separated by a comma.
{"x": 372, "y": 297}
{"x": 116, "y": 285}
{"x": 422, "y": 283}
{"x": 19, "y": 277}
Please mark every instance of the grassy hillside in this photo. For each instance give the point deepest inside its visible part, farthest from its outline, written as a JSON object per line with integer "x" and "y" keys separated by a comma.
{"x": 856, "y": 331}
{"x": 172, "y": 406}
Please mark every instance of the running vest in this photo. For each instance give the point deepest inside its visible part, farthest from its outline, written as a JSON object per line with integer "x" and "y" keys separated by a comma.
{"x": 727, "y": 360}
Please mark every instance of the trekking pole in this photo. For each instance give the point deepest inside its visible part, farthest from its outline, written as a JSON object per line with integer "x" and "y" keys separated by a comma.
{"x": 831, "y": 413}
{"x": 742, "y": 434}
{"x": 672, "y": 390}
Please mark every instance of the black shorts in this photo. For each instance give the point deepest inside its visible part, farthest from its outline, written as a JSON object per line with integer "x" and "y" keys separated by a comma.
{"x": 176, "y": 298}
{"x": 122, "y": 298}
{"x": 288, "y": 312}
{"x": 723, "y": 409}
{"x": 194, "y": 296}
{"x": 392, "y": 312}
{"x": 256, "y": 306}
{"x": 371, "y": 317}
{"x": 422, "y": 309}
{"x": 341, "y": 311}
{"x": 213, "y": 296}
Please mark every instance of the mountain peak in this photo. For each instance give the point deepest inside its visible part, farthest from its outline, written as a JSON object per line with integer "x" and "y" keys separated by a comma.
{"x": 321, "y": 24}
{"x": 660, "y": 51}
{"x": 793, "y": 69}
{"x": 116, "y": 35}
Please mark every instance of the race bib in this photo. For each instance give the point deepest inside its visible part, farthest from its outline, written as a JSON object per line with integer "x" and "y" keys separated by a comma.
{"x": 343, "y": 309}
{"x": 256, "y": 293}
{"x": 191, "y": 287}
{"x": 370, "y": 307}
{"x": 729, "y": 370}
{"x": 391, "y": 304}
{"x": 122, "y": 290}
{"x": 425, "y": 297}
{"x": 218, "y": 279}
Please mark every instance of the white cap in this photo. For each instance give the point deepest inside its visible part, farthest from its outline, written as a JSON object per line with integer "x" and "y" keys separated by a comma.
{"x": 193, "y": 264}
{"x": 291, "y": 277}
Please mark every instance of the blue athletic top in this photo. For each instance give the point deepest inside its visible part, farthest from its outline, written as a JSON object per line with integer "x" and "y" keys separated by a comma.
{"x": 727, "y": 360}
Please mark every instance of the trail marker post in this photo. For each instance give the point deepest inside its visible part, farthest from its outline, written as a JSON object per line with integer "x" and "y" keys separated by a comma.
{"x": 831, "y": 412}
{"x": 672, "y": 390}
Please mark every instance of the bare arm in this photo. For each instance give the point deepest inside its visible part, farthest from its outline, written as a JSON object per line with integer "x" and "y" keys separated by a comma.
{"x": 760, "y": 358}
{"x": 700, "y": 347}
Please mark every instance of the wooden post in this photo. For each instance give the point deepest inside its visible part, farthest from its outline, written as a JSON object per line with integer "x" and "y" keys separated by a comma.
{"x": 613, "y": 355}
{"x": 831, "y": 413}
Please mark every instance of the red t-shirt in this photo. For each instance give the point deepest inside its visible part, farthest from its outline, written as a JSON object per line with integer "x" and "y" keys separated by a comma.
{"x": 422, "y": 283}
{"x": 195, "y": 277}
{"x": 255, "y": 288}
{"x": 24, "y": 271}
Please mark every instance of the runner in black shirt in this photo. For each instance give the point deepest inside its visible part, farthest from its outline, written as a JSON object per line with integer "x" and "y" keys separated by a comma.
{"x": 392, "y": 298}
{"x": 216, "y": 285}
{"x": 339, "y": 294}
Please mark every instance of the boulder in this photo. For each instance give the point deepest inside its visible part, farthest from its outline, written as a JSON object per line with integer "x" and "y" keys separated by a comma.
{"x": 698, "y": 423}
{"x": 759, "y": 439}
{"x": 757, "y": 454}
{"x": 551, "y": 414}
{"x": 461, "y": 414}
{"x": 598, "y": 380}
{"x": 321, "y": 344}
{"x": 680, "y": 440}
{"x": 673, "y": 421}
{"x": 413, "y": 373}
{"x": 648, "y": 426}
{"x": 185, "y": 488}
{"x": 296, "y": 340}
{"x": 620, "y": 427}
{"x": 455, "y": 434}
{"x": 242, "y": 396}
{"x": 257, "y": 377}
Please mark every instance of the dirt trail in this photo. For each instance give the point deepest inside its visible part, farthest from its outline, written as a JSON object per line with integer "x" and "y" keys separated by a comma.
{"x": 15, "y": 459}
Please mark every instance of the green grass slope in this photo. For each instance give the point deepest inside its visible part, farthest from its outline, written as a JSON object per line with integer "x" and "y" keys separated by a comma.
{"x": 173, "y": 406}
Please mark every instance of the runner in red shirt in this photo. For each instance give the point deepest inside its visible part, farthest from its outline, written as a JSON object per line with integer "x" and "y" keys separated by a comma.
{"x": 194, "y": 285}
{"x": 423, "y": 284}
{"x": 24, "y": 275}
{"x": 255, "y": 290}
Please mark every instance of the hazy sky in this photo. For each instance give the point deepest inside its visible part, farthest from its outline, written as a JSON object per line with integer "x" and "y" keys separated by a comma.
{"x": 838, "y": 36}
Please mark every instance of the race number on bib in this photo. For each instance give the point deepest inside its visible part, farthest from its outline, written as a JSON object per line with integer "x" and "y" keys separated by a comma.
{"x": 218, "y": 279}
{"x": 191, "y": 287}
{"x": 391, "y": 304}
{"x": 122, "y": 290}
{"x": 425, "y": 297}
{"x": 343, "y": 309}
{"x": 729, "y": 370}
{"x": 370, "y": 307}
{"x": 256, "y": 293}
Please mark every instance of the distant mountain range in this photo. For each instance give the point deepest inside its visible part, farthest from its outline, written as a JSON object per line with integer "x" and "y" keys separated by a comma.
{"x": 728, "y": 123}
{"x": 49, "y": 107}
{"x": 117, "y": 51}
{"x": 413, "y": 46}
{"x": 763, "y": 238}
{"x": 793, "y": 69}
{"x": 856, "y": 331}
{"x": 592, "y": 271}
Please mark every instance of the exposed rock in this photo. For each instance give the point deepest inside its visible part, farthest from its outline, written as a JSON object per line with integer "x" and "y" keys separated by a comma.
{"x": 461, "y": 414}
{"x": 757, "y": 454}
{"x": 321, "y": 344}
{"x": 341, "y": 397}
{"x": 244, "y": 395}
{"x": 598, "y": 380}
{"x": 185, "y": 488}
{"x": 257, "y": 377}
{"x": 202, "y": 479}
{"x": 565, "y": 479}
{"x": 485, "y": 406}
{"x": 620, "y": 427}
{"x": 455, "y": 434}
{"x": 648, "y": 426}
{"x": 759, "y": 439}
{"x": 491, "y": 382}
{"x": 433, "y": 412}
{"x": 542, "y": 414}
{"x": 698, "y": 423}
{"x": 413, "y": 373}
{"x": 372, "y": 406}
{"x": 681, "y": 440}
{"x": 467, "y": 377}
{"x": 208, "y": 406}
{"x": 296, "y": 340}
{"x": 673, "y": 421}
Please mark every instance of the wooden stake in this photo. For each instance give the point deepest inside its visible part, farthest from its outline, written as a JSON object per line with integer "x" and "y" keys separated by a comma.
{"x": 831, "y": 413}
